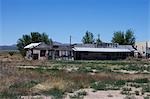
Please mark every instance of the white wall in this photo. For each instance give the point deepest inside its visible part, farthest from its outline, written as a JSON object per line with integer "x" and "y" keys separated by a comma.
{"x": 141, "y": 47}
{"x": 35, "y": 51}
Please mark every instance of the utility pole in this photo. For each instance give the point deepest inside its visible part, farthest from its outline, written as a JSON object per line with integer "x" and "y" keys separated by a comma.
{"x": 70, "y": 48}
{"x": 146, "y": 49}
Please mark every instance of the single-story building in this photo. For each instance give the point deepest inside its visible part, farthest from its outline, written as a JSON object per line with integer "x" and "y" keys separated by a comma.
{"x": 43, "y": 51}
{"x": 58, "y": 51}
{"x": 83, "y": 53}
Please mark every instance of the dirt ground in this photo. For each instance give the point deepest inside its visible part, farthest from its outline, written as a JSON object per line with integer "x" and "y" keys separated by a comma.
{"x": 29, "y": 78}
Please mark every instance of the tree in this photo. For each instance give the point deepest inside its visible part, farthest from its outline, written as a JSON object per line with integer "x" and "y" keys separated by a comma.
{"x": 88, "y": 38}
{"x": 98, "y": 40}
{"x": 122, "y": 38}
{"x": 129, "y": 37}
{"x": 118, "y": 37}
{"x": 34, "y": 37}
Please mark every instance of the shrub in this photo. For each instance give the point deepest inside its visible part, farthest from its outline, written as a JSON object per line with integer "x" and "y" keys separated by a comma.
{"x": 125, "y": 92}
{"x": 82, "y": 93}
{"x": 126, "y": 89}
{"x": 78, "y": 95}
{"x": 85, "y": 69}
{"x": 56, "y": 93}
{"x": 24, "y": 84}
{"x": 120, "y": 82}
{"x": 99, "y": 86}
{"x": 140, "y": 80}
{"x": 11, "y": 53}
{"x": 137, "y": 92}
{"x": 135, "y": 85}
{"x": 143, "y": 80}
{"x": 75, "y": 96}
{"x": 146, "y": 88}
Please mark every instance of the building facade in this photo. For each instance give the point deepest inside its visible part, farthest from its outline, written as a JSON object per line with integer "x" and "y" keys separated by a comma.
{"x": 58, "y": 51}
{"x": 143, "y": 49}
{"x": 42, "y": 51}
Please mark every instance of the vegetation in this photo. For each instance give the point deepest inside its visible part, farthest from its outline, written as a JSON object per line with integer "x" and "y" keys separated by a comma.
{"x": 11, "y": 53}
{"x": 122, "y": 38}
{"x": 57, "y": 78}
{"x": 108, "y": 85}
{"x": 56, "y": 93}
{"x": 98, "y": 40}
{"x": 88, "y": 38}
{"x": 34, "y": 37}
{"x": 78, "y": 95}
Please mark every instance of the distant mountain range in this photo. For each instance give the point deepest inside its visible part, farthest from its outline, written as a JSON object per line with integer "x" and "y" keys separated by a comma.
{"x": 8, "y": 47}
{"x": 14, "y": 47}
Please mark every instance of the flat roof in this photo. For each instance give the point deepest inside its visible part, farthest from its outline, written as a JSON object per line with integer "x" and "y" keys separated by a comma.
{"x": 85, "y": 49}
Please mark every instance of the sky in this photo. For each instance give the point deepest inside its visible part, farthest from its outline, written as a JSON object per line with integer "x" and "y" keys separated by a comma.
{"x": 62, "y": 18}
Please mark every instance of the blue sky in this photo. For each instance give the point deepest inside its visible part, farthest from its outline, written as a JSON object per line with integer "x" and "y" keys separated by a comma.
{"x": 62, "y": 18}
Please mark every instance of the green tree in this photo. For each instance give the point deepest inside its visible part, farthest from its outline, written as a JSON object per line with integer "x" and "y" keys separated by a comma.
{"x": 88, "y": 38}
{"x": 129, "y": 37}
{"x": 34, "y": 37}
{"x": 122, "y": 38}
{"x": 98, "y": 40}
{"x": 118, "y": 37}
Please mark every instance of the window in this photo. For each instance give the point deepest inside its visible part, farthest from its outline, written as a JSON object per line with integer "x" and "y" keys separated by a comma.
{"x": 42, "y": 53}
{"x": 57, "y": 53}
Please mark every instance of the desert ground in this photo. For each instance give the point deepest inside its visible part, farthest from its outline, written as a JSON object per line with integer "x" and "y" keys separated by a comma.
{"x": 117, "y": 79}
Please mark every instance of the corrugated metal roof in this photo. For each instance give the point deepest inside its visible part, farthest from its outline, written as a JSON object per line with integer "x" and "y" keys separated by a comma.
{"x": 126, "y": 47}
{"x": 32, "y": 45}
{"x": 100, "y": 49}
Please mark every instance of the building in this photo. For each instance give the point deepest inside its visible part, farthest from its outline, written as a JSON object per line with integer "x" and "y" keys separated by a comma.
{"x": 37, "y": 51}
{"x": 42, "y": 51}
{"x": 59, "y": 51}
{"x": 105, "y": 51}
{"x": 143, "y": 49}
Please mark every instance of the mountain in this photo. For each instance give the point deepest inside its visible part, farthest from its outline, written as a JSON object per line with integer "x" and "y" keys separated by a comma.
{"x": 8, "y": 48}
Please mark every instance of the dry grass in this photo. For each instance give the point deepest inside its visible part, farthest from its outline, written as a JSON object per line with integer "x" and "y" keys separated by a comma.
{"x": 37, "y": 81}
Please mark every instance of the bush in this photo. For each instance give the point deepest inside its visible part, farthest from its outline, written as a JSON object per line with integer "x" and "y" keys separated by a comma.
{"x": 99, "y": 86}
{"x": 126, "y": 89}
{"x": 24, "y": 84}
{"x": 78, "y": 95}
{"x": 82, "y": 93}
{"x": 137, "y": 92}
{"x": 56, "y": 93}
{"x": 143, "y": 80}
{"x": 11, "y": 53}
{"x": 125, "y": 92}
{"x": 140, "y": 80}
{"x": 7, "y": 95}
{"x": 146, "y": 88}
{"x": 135, "y": 85}
{"x": 120, "y": 82}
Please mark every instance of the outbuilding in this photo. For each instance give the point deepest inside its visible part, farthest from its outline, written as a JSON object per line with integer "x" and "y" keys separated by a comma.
{"x": 84, "y": 53}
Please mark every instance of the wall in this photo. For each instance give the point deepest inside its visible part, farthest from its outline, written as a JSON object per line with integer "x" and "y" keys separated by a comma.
{"x": 100, "y": 55}
{"x": 141, "y": 47}
{"x": 36, "y": 51}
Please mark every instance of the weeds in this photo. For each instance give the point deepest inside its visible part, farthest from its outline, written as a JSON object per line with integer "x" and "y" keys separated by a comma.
{"x": 56, "y": 93}
{"x": 108, "y": 85}
{"x": 78, "y": 95}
